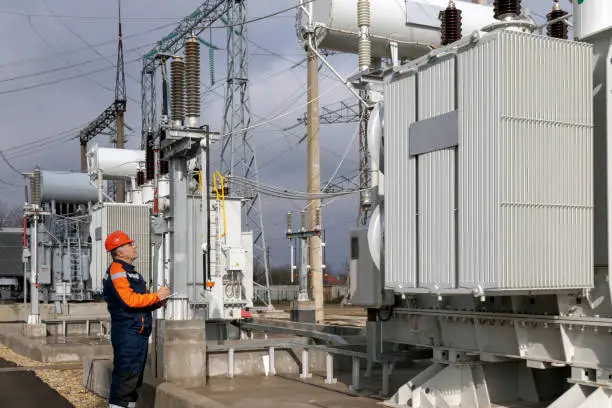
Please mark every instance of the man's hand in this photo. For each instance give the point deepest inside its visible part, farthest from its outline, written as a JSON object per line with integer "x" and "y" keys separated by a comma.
{"x": 163, "y": 292}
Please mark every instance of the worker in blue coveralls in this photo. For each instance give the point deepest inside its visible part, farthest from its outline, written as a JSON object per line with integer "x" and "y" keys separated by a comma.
{"x": 130, "y": 308}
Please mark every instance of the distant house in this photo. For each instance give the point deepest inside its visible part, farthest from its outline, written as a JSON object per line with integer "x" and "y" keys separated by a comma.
{"x": 331, "y": 281}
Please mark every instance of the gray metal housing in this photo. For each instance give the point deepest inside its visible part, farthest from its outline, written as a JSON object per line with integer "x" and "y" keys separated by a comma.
{"x": 64, "y": 187}
{"x": 502, "y": 199}
{"x": 133, "y": 220}
{"x": 11, "y": 252}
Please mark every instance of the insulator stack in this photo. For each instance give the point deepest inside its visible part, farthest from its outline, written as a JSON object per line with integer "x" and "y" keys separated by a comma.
{"x": 364, "y": 46}
{"x": 211, "y": 63}
{"x": 140, "y": 178}
{"x": 192, "y": 75}
{"x": 164, "y": 167}
{"x": 503, "y": 8}
{"x": 35, "y": 187}
{"x": 558, "y": 29}
{"x": 451, "y": 24}
{"x": 149, "y": 158}
{"x": 177, "y": 67}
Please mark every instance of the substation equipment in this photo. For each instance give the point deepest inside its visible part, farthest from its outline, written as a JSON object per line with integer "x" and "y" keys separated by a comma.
{"x": 187, "y": 228}
{"x": 490, "y": 240}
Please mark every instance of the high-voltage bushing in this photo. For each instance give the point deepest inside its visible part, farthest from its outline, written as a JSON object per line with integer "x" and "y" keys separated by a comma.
{"x": 35, "y": 187}
{"x": 451, "y": 24}
{"x": 177, "y": 94}
{"x": 559, "y": 28}
{"x": 192, "y": 75}
{"x": 164, "y": 167}
{"x": 149, "y": 158}
{"x": 365, "y": 46}
{"x": 140, "y": 178}
{"x": 506, "y": 8}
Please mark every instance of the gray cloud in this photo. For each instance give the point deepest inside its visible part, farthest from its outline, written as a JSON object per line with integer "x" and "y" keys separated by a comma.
{"x": 36, "y": 114}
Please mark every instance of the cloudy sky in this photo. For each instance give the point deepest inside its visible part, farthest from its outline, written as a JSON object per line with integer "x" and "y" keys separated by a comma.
{"x": 57, "y": 72}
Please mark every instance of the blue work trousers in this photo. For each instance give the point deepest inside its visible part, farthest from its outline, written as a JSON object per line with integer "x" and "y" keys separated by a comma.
{"x": 130, "y": 356}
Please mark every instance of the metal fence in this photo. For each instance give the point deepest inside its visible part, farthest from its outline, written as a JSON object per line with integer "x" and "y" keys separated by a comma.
{"x": 287, "y": 293}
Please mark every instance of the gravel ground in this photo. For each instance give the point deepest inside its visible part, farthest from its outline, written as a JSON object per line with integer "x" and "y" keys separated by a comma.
{"x": 67, "y": 382}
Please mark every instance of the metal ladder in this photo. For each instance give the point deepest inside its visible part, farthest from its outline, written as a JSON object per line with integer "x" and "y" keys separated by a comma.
{"x": 74, "y": 246}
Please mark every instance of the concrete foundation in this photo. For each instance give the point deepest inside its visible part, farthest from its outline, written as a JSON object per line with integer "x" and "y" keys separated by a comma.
{"x": 171, "y": 396}
{"x": 302, "y": 311}
{"x": 18, "y": 312}
{"x": 34, "y": 331}
{"x": 52, "y": 349}
{"x": 179, "y": 352}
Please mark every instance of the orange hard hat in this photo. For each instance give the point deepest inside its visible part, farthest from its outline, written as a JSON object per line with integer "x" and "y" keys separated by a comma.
{"x": 116, "y": 239}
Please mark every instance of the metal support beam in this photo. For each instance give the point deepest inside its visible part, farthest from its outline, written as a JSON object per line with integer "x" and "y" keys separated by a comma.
{"x": 346, "y": 111}
{"x": 196, "y": 22}
{"x": 237, "y": 154}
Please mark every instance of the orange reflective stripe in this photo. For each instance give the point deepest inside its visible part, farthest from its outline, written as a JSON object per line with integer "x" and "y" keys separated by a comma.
{"x": 125, "y": 291}
{"x": 142, "y": 328}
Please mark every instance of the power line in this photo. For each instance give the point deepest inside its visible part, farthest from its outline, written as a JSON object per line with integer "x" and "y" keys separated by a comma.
{"x": 60, "y": 80}
{"x": 88, "y": 45}
{"x": 131, "y": 61}
{"x": 57, "y": 54}
{"x": 274, "y": 14}
{"x": 92, "y": 17}
{"x": 9, "y": 164}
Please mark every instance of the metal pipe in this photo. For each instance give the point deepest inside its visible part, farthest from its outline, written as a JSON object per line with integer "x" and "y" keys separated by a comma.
{"x": 331, "y": 68}
{"x": 207, "y": 195}
{"x": 34, "y": 317}
{"x": 100, "y": 186}
{"x": 25, "y": 272}
{"x": 608, "y": 132}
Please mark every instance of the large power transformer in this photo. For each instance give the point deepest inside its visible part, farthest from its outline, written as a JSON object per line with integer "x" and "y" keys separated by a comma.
{"x": 489, "y": 241}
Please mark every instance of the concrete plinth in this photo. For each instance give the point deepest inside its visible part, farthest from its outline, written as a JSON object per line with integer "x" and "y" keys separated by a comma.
{"x": 97, "y": 374}
{"x": 302, "y": 311}
{"x": 34, "y": 331}
{"x": 180, "y": 352}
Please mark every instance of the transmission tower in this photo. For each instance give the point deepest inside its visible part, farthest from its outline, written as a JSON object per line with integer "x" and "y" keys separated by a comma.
{"x": 350, "y": 111}
{"x": 115, "y": 112}
{"x": 237, "y": 155}
{"x": 120, "y": 105}
{"x": 365, "y": 177}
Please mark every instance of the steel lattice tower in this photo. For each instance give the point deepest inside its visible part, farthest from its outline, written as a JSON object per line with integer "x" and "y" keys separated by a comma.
{"x": 237, "y": 155}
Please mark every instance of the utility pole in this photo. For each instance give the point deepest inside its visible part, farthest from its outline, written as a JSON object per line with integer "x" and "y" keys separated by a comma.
{"x": 314, "y": 184}
{"x": 303, "y": 309}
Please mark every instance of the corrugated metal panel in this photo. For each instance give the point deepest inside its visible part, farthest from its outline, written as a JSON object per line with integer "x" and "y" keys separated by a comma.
{"x": 98, "y": 255}
{"x": 530, "y": 159}
{"x": 479, "y": 108}
{"x": 11, "y": 249}
{"x": 194, "y": 250}
{"x": 525, "y": 203}
{"x": 436, "y": 183}
{"x": 134, "y": 221}
{"x": 545, "y": 184}
{"x": 400, "y": 177}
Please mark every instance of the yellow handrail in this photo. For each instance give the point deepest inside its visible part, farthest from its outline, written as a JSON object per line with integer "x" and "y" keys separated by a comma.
{"x": 221, "y": 196}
